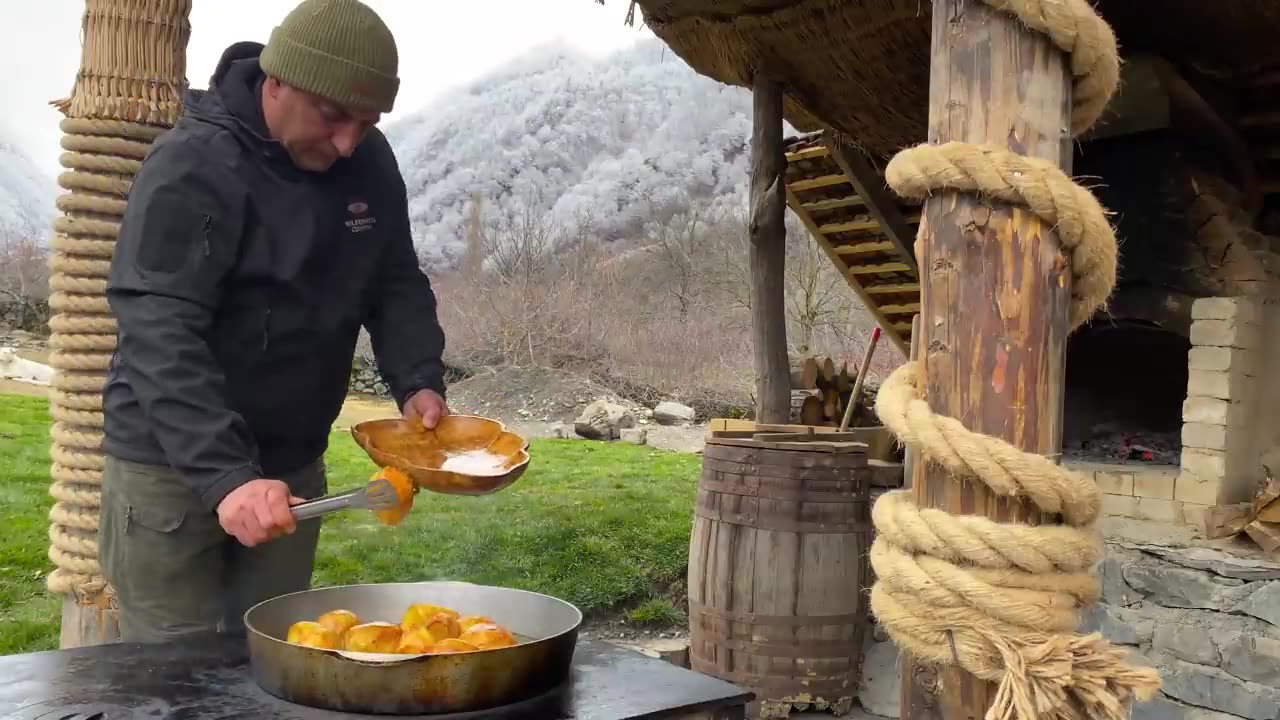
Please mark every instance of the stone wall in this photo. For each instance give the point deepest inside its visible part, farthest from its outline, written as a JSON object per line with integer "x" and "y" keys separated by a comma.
{"x": 1208, "y": 620}
{"x": 365, "y": 380}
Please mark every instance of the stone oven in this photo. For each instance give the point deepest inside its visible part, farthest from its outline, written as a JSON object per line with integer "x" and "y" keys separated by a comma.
{"x": 1166, "y": 399}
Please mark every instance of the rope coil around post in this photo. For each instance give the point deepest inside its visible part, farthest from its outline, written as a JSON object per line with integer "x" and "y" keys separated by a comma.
{"x": 82, "y": 342}
{"x": 1000, "y": 599}
{"x": 127, "y": 93}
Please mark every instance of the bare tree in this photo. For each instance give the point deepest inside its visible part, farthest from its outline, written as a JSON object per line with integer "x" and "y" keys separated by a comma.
{"x": 820, "y": 303}
{"x": 681, "y": 243}
{"x": 24, "y": 278}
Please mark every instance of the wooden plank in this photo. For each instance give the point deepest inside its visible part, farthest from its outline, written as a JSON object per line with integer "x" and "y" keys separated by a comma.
{"x": 866, "y": 248}
{"x": 808, "y": 153}
{"x": 893, "y": 288}
{"x": 833, "y": 204}
{"x": 818, "y": 182}
{"x": 885, "y": 474}
{"x": 851, "y": 226}
{"x": 870, "y": 185}
{"x": 807, "y": 436}
{"x": 908, "y": 308}
{"x": 992, "y": 81}
{"x": 767, "y": 253}
{"x": 881, "y": 268}
{"x": 863, "y": 226}
{"x": 825, "y": 245}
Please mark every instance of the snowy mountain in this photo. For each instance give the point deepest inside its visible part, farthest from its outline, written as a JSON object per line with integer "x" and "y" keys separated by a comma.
{"x": 26, "y": 194}
{"x": 614, "y": 140}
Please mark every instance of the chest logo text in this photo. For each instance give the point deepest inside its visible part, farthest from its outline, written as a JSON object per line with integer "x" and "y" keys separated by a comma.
{"x": 360, "y": 222}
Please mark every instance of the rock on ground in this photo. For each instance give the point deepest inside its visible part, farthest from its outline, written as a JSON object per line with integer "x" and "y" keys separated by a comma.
{"x": 603, "y": 420}
{"x": 674, "y": 413}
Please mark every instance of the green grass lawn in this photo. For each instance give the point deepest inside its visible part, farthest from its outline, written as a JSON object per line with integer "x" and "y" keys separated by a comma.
{"x": 604, "y": 526}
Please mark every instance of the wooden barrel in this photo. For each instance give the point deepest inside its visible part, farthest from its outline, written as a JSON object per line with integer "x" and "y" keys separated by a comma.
{"x": 778, "y": 569}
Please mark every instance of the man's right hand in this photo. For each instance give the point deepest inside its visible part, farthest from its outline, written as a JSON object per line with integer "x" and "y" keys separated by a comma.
{"x": 258, "y": 511}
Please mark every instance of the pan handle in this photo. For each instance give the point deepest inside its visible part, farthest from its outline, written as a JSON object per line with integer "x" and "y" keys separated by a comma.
{"x": 323, "y": 506}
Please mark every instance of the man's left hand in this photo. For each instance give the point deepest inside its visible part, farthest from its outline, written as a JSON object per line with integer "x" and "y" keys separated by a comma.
{"x": 427, "y": 405}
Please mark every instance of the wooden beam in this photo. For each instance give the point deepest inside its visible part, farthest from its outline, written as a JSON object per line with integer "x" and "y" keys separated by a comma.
{"x": 997, "y": 368}
{"x": 768, "y": 235}
{"x": 870, "y": 185}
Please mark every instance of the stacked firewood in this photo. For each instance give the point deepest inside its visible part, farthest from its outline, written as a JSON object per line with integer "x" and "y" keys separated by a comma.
{"x": 820, "y": 391}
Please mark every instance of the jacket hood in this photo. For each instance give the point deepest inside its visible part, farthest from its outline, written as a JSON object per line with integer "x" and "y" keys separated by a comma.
{"x": 233, "y": 100}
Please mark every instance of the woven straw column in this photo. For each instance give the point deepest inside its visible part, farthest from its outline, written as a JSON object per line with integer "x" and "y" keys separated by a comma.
{"x": 128, "y": 91}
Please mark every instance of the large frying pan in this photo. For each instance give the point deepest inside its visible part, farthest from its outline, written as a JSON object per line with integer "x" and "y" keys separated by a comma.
{"x": 546, "y": 627}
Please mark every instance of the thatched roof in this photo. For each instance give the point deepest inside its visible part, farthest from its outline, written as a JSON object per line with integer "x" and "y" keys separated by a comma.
{"x": 862, "y": 66}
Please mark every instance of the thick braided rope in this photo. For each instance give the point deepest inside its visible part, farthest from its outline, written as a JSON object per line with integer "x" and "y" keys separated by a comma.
{"x": 1001, "y": 600}
{"x": 102, "y": 157}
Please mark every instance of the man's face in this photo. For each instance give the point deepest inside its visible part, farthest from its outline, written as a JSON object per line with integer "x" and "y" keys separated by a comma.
{"x": 314, "y": 131}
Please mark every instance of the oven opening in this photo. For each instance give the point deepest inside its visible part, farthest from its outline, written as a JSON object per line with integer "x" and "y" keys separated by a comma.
{"x": 1125, "y": 385}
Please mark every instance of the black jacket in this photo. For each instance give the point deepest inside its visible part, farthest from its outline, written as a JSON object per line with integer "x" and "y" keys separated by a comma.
{"x": 240, "y": 283}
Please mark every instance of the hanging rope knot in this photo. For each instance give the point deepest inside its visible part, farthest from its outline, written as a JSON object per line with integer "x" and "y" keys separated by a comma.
{"x": 1002, "y": 600}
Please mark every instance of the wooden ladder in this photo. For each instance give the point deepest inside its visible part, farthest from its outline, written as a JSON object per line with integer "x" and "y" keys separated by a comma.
{"x": 864, "y": 230}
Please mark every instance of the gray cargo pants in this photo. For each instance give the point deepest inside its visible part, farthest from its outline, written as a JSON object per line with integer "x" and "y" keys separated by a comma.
{"x": 175, "y": 571}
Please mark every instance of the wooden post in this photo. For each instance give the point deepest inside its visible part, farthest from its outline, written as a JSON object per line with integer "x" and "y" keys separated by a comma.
{"x": 995, "y": 286}
{"x": 768, "y": 253}
{"x": 127, "y": 93}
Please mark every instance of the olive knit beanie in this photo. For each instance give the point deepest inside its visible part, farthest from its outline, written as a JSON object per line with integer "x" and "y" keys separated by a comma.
{"x": 337, "y": 49}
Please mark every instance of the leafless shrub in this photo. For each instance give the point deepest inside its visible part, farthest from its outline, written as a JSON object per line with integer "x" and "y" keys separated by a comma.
{"x": 24, "y": 282}
{"x": 666, "y": 316}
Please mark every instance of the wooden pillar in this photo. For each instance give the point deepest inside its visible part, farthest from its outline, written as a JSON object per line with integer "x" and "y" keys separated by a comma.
{"x": 126, "y": 94}
{"x": 995, "y": 286}
{"x": 768, "y": 253}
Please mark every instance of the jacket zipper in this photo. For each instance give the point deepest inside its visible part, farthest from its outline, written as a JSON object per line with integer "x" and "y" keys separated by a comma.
{"x": 266, "y": 328}
{"x": 208, "y": 226}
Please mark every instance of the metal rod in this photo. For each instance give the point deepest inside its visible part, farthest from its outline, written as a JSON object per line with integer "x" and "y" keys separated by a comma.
{"x": 324, "y": 505}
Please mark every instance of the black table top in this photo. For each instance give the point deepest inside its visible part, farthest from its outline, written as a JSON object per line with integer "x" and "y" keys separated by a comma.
{"x": 210, "y": 679}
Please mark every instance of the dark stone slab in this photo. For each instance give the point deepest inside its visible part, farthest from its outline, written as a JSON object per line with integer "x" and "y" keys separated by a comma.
{"x": 210, "y": 679}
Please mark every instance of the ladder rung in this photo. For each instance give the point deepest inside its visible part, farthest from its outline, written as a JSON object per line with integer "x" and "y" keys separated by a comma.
{"x": 833, "y": 203}
{"x": 852, "y": 226}
{"x": 864, "y": 248}
{"x": 881, "y": 268}
{"x": 904, "y": 309}
{"x": 818, "y": 182}
{"x": 808, "y": 153}
{"x": 894, "y": 288}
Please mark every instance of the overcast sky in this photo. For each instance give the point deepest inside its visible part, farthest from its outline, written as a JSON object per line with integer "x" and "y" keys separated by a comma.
{"x": 442, "y": 44}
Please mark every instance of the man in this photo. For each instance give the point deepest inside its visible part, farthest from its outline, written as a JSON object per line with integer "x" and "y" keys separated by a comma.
{"x": 261, "y": 233}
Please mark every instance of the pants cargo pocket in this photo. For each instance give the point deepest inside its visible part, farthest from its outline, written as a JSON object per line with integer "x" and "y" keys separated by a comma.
{"x": 162, "y": 551}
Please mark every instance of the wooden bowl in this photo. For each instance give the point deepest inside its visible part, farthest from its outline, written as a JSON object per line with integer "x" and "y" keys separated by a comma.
{"x": 463, "y": 455}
